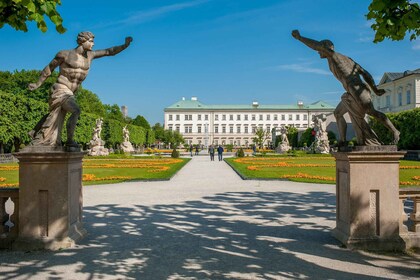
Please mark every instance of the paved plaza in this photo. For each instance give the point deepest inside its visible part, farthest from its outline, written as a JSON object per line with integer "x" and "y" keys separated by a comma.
{"x": 207, "y": 223}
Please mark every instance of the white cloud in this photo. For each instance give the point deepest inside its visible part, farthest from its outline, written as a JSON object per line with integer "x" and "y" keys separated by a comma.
{"x": 138, "y": 17}
{"x": 301, "y": 68}
{"x": 365, "y": 39}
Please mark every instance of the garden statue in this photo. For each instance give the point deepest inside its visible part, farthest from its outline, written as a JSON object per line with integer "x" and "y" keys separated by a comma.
{"x": 97, "y": 144}
{"x": 73, "y": 68}
{"x": 126, "y": 145}
{"x": 357, "y": 99}
{"x": 321, "y": 143}
{"x": 283, "y": 145}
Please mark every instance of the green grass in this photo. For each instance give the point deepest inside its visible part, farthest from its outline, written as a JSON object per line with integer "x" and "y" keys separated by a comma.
{"x": 137, "y": 168}
{"x": 265, "y": 171}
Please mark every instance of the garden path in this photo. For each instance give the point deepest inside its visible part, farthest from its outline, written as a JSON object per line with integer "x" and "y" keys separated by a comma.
{"x": 207, "y": 223}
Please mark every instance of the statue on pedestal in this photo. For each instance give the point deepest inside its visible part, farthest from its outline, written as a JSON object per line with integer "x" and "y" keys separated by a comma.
{"x": 356, "y": 100}
{"x": 321, "y": 143}
{"x": 126, "y": 145}
{"x": 283, "y": 145}
{"x": 73, "y": 68}
{"x": 97, "y": 144}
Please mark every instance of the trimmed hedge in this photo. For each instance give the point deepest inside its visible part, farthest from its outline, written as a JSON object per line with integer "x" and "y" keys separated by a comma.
{"x": 407, "y": 122}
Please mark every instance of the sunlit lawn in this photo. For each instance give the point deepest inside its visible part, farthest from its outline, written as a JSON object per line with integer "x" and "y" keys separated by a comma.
{"x": 105, "y": 171}
{"x": 308, "y": 169}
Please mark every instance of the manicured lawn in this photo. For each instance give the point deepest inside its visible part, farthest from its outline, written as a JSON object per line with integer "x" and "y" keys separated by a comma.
{"x": 309, "y": 169}
{"x": 110, "y": 170}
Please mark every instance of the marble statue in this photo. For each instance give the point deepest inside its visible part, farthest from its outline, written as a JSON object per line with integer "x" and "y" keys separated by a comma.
{"x": 283, "y": 145}
{"x": 126, "y": 144}
{"x": 97, "y": 145}
{"x": 73, "y": 68}
{"x": 356, "y": 100}
{"x": 321, "y": 143}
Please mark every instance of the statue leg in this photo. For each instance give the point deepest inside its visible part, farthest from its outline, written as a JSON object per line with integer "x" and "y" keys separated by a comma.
{"x": 383, "y": 119}
{"x": 341, "y": 122}
{"x": 71, "y": 106}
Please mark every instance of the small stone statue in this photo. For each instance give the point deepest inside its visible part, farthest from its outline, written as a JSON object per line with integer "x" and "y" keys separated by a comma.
{"x": 126, "y": 145}
{"x": 73, "y": 68}
{"x": 97, "y": 144}
{"x": 321, "y": 144}
{"x": 283, "y": 145}
{"x": 356, "y": 100}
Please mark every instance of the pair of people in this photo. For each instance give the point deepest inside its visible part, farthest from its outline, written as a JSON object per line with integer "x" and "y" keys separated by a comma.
{"x": 220, "y": 151}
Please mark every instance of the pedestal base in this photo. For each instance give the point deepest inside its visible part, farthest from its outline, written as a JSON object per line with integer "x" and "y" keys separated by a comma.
{"x": 368, "y": 199}
{"x": 50, "y": 194}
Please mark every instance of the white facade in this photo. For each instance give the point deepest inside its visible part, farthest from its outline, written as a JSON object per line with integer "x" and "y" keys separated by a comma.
{"x": 402, "y": 92}
{"x": 236, "y": 124}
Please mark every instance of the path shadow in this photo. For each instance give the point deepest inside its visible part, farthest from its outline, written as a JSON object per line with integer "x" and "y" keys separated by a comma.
{"x": 232, "y": 235}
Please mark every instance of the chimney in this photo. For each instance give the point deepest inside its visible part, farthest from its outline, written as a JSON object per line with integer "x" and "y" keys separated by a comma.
{"x": 300, "y": 104}
{"x": 183, "y": 98}
{"x": 255, "y": 104}
{"x": 194, "y": 98}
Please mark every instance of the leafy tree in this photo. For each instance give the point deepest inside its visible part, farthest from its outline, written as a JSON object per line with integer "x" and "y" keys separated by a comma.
{"x": 137, "y": 134}
{"x": 141, "y": 121}
{"x": 113, "y": 112}
{"x": 17, "y": 12}
{"x": 292, "y": 136}
{"x": 394, "y": 19}
{"x": 261, "y": 136}
{"x": 17, "y": 83}
{"x": 150, "y": 136}
{"x": 18, "y": 116}
{"x": 90, "y": 103}
{"x": 307, "y": 137}
{"x": 407, "y": 122}
{"x": 159, "y": 132}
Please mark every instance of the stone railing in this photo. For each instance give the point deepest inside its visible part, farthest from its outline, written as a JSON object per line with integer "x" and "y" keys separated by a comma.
{"x": 410, "y": 222}
{"x": 9, "y": 216}
{"x": 5, "y": 158}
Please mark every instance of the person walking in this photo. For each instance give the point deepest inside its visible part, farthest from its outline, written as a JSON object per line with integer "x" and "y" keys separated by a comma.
{"x": 220, "y": 152}
{"x": 197, "y": 150}
{"x": 211, "y": 152}
{"x": 191, "y": 150}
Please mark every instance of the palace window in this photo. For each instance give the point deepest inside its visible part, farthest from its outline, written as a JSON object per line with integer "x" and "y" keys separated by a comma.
{"x": 408, "y": 97}
{"x": 238, "y": 117}
{"x": 231, "y": 117}
{"x": 246, "y": 117}
{"x": 199, "y": 117}
{"x": 177, "y": 117}
{"x": 170, "y": 117}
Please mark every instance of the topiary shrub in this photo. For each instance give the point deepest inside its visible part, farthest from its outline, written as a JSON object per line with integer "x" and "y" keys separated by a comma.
{"x": 175, "y": 153}
{"x": 240, "y": 153}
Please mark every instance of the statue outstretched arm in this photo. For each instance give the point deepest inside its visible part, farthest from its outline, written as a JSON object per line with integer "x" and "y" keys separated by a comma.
{"x": 369, "y": 80}
{"x": 113, "y": 50}
{"x": 46, "y": 72}
{"x": 313, "y": 44}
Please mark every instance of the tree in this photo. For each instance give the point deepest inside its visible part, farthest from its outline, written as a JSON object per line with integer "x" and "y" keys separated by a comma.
{"x": 89, "y": 102}
{"x": 141, "y": 121}
{"x": 113, "y": 112}
{"x": 261, "y": 136}
{"x": 17, "y": 12}
{"x": 159, "y": 132}
{"x": 394, "y": 19}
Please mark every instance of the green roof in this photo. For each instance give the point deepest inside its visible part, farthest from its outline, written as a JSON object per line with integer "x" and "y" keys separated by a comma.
{"x": 197, "y": 105}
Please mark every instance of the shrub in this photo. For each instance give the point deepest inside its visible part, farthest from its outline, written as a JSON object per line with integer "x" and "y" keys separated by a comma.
{"x": 240, "y": 153}
{"x": 229, "y": 147}
{"x": 175, "y": 153}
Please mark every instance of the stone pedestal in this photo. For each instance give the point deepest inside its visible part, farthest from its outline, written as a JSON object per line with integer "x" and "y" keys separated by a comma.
{"x": 50, "y": 208}
{"x": 368, "y": 199}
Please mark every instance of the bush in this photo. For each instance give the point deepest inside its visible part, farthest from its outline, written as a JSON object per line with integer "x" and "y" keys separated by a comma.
{"x": 229, "y": 147}
{"x": 175, "y": 153}
{"x": 407, "y": 122}
{"x": 240, "y": 153}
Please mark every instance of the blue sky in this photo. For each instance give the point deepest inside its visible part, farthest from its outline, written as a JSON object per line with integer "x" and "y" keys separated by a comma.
{"x": 222, "y": 51}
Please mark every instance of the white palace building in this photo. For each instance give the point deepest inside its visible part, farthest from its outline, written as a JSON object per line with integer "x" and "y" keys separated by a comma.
{"x": 236, "y": 124}
{"x": 402, "y": 92}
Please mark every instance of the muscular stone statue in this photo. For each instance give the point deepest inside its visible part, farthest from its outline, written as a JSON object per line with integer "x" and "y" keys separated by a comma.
{"x": 357, "y": 99}
{"x": 73, "y": 68}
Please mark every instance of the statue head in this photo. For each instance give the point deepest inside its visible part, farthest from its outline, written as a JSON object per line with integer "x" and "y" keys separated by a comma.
{"x": 85, "y": 39}
{"x": 328, "y": 45}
